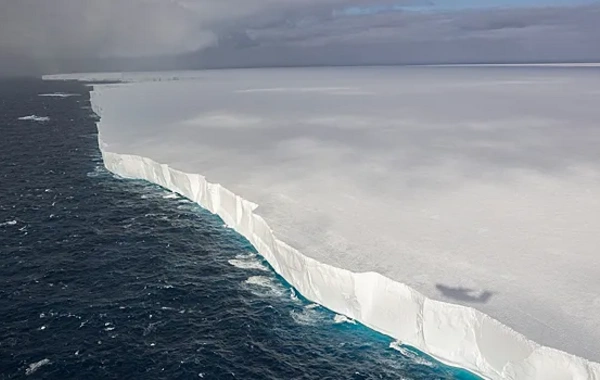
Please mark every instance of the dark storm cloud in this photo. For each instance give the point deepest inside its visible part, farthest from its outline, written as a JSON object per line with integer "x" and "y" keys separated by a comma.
{"x": 278, "y": 32}
{"x": 496, "y": 35}
{"x": 557, "y": 24}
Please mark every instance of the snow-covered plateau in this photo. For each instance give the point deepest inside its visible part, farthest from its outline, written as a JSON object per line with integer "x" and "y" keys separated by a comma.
{"x": 456, "y": 209}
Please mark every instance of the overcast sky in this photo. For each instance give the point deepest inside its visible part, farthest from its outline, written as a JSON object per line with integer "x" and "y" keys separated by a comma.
{"x": 303, "y": 32}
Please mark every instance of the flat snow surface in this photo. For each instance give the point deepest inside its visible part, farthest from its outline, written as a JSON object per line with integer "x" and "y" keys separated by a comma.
{"x": 476, "y": 186}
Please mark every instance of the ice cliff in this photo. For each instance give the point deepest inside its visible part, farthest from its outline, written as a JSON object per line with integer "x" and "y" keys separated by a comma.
{"x": 548, "y": 257}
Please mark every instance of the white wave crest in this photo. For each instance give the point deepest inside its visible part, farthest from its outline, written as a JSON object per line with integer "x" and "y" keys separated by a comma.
{"x": 343, "y": 319}
{"x": 35, "y": 366}
{"x": 294, "y": 296}
{"x": 308, "y": 317}
{"x": 35, "y": 118}
{"x": 398, "y": 346}
{"x": 9, "y": 223}
{"x": 260, "y": 281}
{"x": 265, "y": 286}
{"x": 58, "y": 95}
{"x": 248, "y": 264}
{"x": 98, "y": 171}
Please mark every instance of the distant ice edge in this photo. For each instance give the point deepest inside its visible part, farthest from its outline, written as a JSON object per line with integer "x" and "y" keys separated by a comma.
{"x": 454, "y": 334}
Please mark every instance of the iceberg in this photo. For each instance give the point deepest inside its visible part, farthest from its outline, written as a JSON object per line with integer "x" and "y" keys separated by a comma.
{"x": 452, "y": 209}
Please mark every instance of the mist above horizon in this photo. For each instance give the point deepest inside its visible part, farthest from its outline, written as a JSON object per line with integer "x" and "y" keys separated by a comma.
{"x": 100, "y": 35}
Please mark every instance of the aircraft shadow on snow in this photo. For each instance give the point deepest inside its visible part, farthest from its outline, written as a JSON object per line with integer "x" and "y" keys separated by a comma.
{"x": 464, "y": 294}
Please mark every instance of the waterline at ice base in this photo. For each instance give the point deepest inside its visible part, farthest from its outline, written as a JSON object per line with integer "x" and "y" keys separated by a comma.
{"x": 454, "y": 209}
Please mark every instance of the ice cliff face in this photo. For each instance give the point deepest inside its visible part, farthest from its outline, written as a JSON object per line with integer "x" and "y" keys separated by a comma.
{"x": 495, "y": 190}
{"x": 454, "y": 334}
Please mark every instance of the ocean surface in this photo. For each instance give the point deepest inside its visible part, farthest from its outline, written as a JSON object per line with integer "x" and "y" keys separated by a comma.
{"x": 107, "y": 278}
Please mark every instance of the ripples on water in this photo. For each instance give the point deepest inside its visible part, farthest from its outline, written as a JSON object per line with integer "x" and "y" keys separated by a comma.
{"x": 105, "y": 278}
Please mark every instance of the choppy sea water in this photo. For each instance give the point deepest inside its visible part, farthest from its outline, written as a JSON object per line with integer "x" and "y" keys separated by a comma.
{"x": 108, "y": 278}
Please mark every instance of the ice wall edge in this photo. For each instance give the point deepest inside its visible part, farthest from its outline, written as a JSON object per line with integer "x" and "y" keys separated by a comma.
{"x": 455, "y": 335}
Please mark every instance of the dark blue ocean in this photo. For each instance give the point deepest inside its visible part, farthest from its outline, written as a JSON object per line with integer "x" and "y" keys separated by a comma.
{"x": 105, "y": 278}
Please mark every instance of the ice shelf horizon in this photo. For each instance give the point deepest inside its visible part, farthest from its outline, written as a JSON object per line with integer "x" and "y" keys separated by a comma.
{"x": 454, "y": 209}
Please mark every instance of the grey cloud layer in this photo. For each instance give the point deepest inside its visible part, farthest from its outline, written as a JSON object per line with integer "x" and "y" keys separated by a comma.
{"x": 98, "y": 27}
{"x": 498, "y": 35}
{"x": 281, "y": 32}
{"x": 132, "y": 27}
